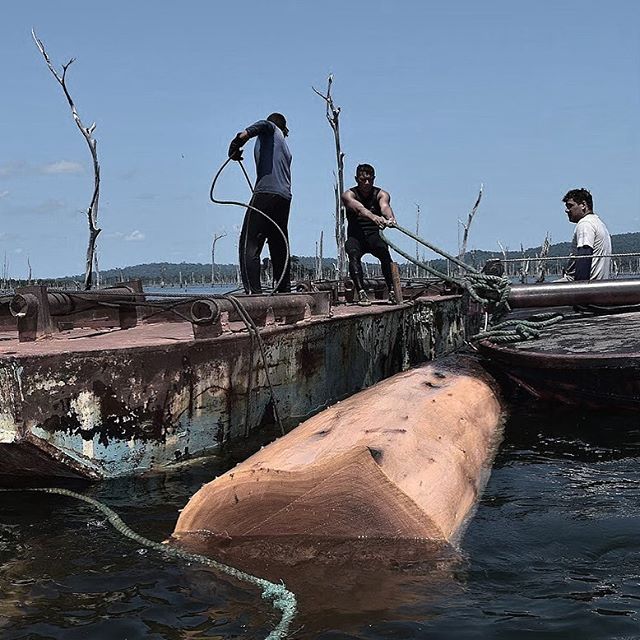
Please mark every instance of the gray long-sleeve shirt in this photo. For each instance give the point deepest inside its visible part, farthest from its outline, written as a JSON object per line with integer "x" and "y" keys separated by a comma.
{"x": 273, "y": 159}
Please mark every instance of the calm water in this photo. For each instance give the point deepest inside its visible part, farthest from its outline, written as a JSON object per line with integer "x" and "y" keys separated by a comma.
{"x": 553, "y": 552}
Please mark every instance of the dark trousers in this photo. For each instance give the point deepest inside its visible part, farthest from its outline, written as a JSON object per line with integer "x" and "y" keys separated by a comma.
{"x": 357, "y": 246}
{"x": 256, "y": 229}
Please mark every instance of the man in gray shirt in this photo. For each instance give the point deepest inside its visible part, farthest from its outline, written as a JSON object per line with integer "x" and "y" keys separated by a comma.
{"x": 271, "y": 195}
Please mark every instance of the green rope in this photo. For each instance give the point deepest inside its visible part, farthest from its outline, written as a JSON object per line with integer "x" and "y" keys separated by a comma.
{"x": 492, "y": 292}
{"x": 281, "y": 598}
{"x": 433, "y": 247}
{"x": 519, "y": 330}
{"x": 489, "y": 291}
{"x": 426, "y": 267}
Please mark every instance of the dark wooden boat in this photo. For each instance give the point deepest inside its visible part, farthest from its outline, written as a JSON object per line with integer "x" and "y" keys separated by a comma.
{"x": 589, "y": 359}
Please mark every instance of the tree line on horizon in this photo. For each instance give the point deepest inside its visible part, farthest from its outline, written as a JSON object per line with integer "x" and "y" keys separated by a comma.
{"x": 306, "y": 267}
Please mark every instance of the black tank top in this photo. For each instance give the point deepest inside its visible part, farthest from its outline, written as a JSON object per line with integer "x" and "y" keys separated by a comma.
{"x": 363, "y": 226}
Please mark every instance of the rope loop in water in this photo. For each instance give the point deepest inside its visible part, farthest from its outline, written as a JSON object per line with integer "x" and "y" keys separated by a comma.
{"x": 281, "y": 598}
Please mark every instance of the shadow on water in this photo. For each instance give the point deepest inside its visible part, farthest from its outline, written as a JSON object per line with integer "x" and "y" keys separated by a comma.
{"x": 537, "y": 433}
{"x": 346, "y": 584}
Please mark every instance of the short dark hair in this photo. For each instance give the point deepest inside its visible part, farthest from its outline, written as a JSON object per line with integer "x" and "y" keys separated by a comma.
{"x": 365, "y": 168}
{"x": 579, "y": 195}
{"x": 280, "y": 121}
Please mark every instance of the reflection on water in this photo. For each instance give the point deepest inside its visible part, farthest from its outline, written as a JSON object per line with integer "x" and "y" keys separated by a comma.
{"x": 551, "y": 553}
{"x": 347, "y": 582}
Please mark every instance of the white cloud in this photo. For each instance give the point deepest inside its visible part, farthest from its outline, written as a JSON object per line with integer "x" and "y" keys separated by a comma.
{"x": 62, "y": 166}
{"x": 3, "y": 194}
{"x": 18, "y": 169}
{"x": 10, "y": 169}
{"x": 50, "y": 205}
{"x": 135, "y": 236}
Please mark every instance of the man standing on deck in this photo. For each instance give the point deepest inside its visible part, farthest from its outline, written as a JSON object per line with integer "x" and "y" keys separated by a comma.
{"x": 272, "y": 195}
{"x": 368, "y": 211}
{"x": 591, "y": 240}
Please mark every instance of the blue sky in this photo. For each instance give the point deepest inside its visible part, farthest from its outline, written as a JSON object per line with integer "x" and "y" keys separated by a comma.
{"x": 529, "y": 98}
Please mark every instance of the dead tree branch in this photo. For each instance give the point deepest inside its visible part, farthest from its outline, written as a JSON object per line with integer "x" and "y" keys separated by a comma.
{"x": 524, "y": 265}
{"x": 216, "y": 237}
{"x": 504, "y": 250}
{"x": 97, "y": 267}
{"x": 417, "y": 234}
{"x": 467, "y": 226}
{"x": 92, "y": 211}
{"x": 541, "y": 269}
{"x": 333, "y": 117}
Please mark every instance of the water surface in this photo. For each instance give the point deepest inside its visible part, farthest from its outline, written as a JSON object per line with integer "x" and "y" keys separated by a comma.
{"x": 551, "y": 553}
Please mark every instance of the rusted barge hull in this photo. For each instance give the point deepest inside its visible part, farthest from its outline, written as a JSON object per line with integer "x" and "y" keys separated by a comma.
{"x": 403, "y": 460}
{"x": 106, "y": 404}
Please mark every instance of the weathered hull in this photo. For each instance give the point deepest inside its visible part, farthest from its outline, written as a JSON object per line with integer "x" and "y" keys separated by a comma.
{"x": 405, "y": 459}
{"x": 127, "y": 402}
{"x": 583, "y": 361}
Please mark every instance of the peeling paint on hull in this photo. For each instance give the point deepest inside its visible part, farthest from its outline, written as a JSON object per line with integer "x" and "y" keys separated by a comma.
{"x": 133, "y": 403}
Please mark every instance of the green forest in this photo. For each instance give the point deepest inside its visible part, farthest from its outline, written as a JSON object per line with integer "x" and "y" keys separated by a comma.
{"x": 304, "y": 267}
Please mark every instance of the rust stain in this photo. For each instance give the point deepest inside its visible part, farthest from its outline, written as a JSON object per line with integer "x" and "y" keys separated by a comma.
{"x": 176, "y": 399}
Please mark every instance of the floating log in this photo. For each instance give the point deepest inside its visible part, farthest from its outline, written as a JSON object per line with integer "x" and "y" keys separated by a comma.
{"x": 405, "y": 459}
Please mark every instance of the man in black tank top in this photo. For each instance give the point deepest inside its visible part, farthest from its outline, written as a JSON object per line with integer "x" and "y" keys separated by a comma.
{"x": 368, "y": 211}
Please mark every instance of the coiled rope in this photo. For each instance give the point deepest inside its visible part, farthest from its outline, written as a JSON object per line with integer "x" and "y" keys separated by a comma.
{"x": 519, "y": 330}
{"x": 251, "y": 208}
{"x": 281, "y": 598}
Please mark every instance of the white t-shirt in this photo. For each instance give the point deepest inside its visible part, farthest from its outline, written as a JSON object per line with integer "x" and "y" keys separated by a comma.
{"x": 592, "y": 232}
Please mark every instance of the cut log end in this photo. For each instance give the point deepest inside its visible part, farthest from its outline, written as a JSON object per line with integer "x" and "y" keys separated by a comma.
{"x": 388, "y": 464}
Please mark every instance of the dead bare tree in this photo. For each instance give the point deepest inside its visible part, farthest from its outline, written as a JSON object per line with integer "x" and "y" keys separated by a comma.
{"x": 92, "y": 211}
{"x": 541, "y": 270}
{"x": 97, "y": 266}
{"x": 5, "y": 272}
{"x": 333, "y": 117}
{"x": 504, "y": 250}
{"x": 317, "y": 272}
{"x": 524, "y": 265}
{"x": 29, "y": 265}
{"x": 417, "y": 234}
{"x": 216, "y": 237}
{"x": 467, "y": 226}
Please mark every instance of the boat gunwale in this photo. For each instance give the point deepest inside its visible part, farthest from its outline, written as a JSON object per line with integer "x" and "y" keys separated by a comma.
{"x": 557, "y": 360}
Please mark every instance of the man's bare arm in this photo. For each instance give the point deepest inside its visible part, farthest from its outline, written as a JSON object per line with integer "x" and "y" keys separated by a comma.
{"x": 349, "y": 201}
{"x": 384, "y": 200}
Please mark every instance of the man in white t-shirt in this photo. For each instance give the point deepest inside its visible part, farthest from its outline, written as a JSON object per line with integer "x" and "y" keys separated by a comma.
{"x": 591, "y": 245}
